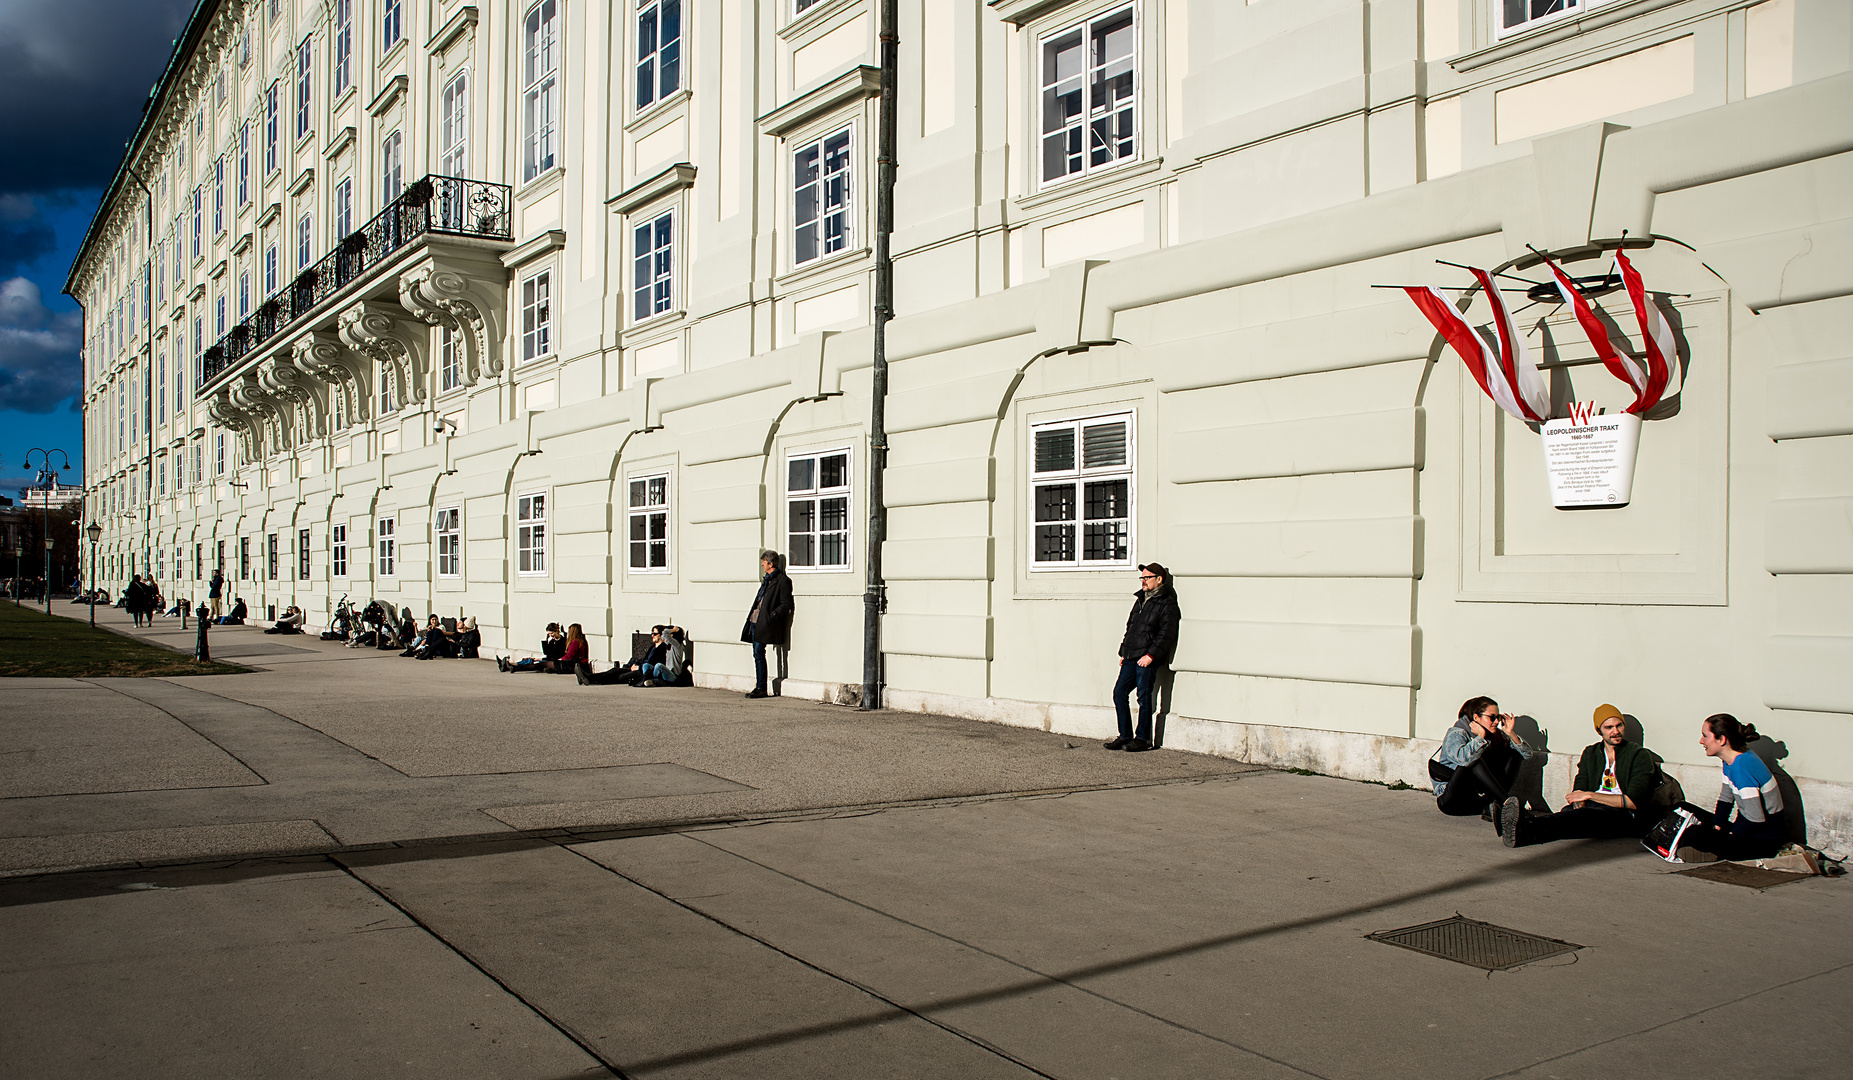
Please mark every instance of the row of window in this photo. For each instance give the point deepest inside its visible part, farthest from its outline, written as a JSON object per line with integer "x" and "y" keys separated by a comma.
{"x": 1081, "y": 496}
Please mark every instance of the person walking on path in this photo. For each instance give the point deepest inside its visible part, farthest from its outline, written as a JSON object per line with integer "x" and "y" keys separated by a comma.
{"x": 1151, "y": 637}
{"x": 215, "y": 589}
{"x": 1610, "y": 795}
{"x": 136, "y": 599}
{"x": 769, "y": 621}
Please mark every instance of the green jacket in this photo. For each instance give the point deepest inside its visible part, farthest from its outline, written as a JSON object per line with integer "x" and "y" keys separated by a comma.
{"x": 1636, "y": 772}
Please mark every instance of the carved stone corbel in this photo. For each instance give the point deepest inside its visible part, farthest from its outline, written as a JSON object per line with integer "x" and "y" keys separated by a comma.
{"x": 398, "y": 344}
{"x": 321, "y": 355}
{"x": 224, "y": 409}
{"x": 288, "y": 384}
{"x": 470, "y": 309}
{"x": 265, "y": 420}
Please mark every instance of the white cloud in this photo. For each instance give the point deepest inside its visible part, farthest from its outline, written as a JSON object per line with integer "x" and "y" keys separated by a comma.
{"x": 40, "y": 365}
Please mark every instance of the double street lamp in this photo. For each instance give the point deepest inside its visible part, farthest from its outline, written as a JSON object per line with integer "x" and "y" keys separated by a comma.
{"x": 48, "y": 482}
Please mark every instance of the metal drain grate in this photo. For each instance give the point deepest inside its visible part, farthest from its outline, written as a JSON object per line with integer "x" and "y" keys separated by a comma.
{"x": 1476, "y": 944}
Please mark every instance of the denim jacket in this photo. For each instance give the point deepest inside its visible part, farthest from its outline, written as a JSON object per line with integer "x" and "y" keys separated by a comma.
{"x": 1460, "y": 747}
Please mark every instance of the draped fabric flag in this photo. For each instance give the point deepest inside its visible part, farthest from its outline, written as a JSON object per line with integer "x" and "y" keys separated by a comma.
{"x": 1620, "y": 364}
{"x": 1509, "y": 376}
{"x": 1656, "y": 338}
{"x": 1650, "y": 383}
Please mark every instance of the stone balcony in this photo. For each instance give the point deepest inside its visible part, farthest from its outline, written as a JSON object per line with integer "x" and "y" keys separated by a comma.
{"x": 309, "y": 360}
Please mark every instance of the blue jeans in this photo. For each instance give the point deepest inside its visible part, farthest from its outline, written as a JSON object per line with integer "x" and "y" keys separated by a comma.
{"x": 759, "y": 665}
{"x": 1131, "y": 675}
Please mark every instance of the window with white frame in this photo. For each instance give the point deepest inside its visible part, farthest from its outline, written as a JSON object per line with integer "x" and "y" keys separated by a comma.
{"x": 199, "y": 456}
{"x": 244, "y": 164}
{"x": 218, "y": 195}
{"x": 244, "y": 558}
{"x": 388, "y": 544}
{"x": 1090, "y": 84}
{"x": 653, "y": 267}
{"x": 392, "y": 25}
{"x": 449, "y": 529}
{"x": 305, "y": 85}
{"x": 270, "y": 269}
{"x": 388, "y": 400}
{"x": 244, "y": 293}
{"x": 648, "y": 510}
{"x": 540, "y": 89}
{"x": 218, "y": 304}
{"x": 821, "y": 197}
{"x": 798, "y": 7}
{"x": 302, "y": 554}
{"x": 180, "y": 471}
{"x": 199, "y": 203}
{"x": 305, "y": 240}
{"x": 659, "y": 50}
{"x": 454, "y": 126}
{"x": 271, "y": 94}
{"x": 344, "y": 209}
{"x": 180, "y": 267}
{"x": 537, "y": 316}
{"x": 219, "y": 454}
{"x": 531, "y": 533}
{"x": 1081, "y": 492}
{"x": 180, "y": 561}
{"x": 817, "y": 505}
{"x": 344, "y": 47}
{"x": 337, "y": 550}
{"x": 272, "y": 556}
{"x": 450, "y": 363}
{"x": 392, "y": 167}
{"x": 1519, "y": 15}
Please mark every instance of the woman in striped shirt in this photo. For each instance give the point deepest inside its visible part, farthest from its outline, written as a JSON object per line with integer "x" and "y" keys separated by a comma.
{"x": 1760, "y": 826}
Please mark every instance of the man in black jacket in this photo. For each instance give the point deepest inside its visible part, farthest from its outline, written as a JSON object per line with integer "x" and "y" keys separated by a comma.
{"x": 769, "y": 623}
{"x": 1151, "y": 635}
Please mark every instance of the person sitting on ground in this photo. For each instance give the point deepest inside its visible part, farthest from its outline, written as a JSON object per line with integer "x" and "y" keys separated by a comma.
{"x": 552, "y": 648}
{"x": 180, "y": 609}
{"x": 290, "y": 623}
{"x": 237, "y": 616}
{"x": 469, "y": 639}
{"x": 422, "y": 637}
{"x": 1760, "y": 826}
{"x": 660, "y": 665}
{"x": 440, "y": 642}
{"x": 1478, "y": 762}
{"x": 1611, "y": 790}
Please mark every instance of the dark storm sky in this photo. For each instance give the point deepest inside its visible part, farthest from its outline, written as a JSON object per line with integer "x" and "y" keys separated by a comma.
{"x": 73, "y": 76}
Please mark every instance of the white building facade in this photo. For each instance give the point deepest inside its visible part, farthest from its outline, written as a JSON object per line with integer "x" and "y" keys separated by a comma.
{"x": 561, "y": 311}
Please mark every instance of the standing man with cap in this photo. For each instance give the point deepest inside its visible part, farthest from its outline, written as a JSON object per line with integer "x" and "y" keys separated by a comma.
{"x": 1614, "y": 784}
{"x": 1151, "y": 636}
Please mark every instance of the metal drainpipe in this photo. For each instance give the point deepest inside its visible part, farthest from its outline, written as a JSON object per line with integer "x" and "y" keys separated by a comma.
{"x": 147, "y": 379}
{"x": 875, "y": 599}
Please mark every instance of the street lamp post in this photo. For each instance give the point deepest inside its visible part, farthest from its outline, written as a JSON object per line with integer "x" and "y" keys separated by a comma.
{"x": 48, "y": 482}
{"x": 19, "y": 555}
{"x": 94, "y": 532}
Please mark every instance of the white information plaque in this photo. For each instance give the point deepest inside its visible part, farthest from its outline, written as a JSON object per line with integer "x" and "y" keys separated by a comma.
{"x": 1591, "y": 464}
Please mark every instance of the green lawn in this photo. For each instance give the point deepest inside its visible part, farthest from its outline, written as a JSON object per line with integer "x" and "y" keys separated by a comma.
{"x": 34, "y": 643}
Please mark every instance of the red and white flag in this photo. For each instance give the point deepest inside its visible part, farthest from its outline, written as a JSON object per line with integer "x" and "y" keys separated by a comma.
{"x": 1656, "y": 338}
{"x": 1620, "y": 364}
{"x": 1509, "y": 376}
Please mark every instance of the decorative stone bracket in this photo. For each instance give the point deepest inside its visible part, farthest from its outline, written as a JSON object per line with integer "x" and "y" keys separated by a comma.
{"x": 459, "y": 299}
{"x": 388, "y": 335}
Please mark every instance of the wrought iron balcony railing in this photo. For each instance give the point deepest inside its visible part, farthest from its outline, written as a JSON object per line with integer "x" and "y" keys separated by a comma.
{"x": 446, "y": 205}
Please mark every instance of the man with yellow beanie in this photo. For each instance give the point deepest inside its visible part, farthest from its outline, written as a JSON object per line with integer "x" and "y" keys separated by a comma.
{"x": 1615, "y": 782}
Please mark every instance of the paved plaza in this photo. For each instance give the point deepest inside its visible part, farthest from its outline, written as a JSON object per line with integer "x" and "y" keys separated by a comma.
{"x": 351, "y": 864}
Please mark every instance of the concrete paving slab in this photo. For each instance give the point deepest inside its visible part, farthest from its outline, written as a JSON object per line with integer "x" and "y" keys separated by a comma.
{"x": 1057, "y": 1027}
{"x": 252, "y": 972}
{"x": 657, "y": 988}
{"x": 102, "y": 741}
{"x": 39, "y": 854}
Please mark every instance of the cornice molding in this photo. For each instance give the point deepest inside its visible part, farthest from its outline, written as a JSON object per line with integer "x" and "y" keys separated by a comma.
{"x": 853, "y": 85}
{"x": 463, "y": 20}
{"x": 674, "y": 178}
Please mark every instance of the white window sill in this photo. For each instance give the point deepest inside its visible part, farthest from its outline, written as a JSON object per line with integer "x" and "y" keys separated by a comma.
{"x": 1056, "y": 190}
